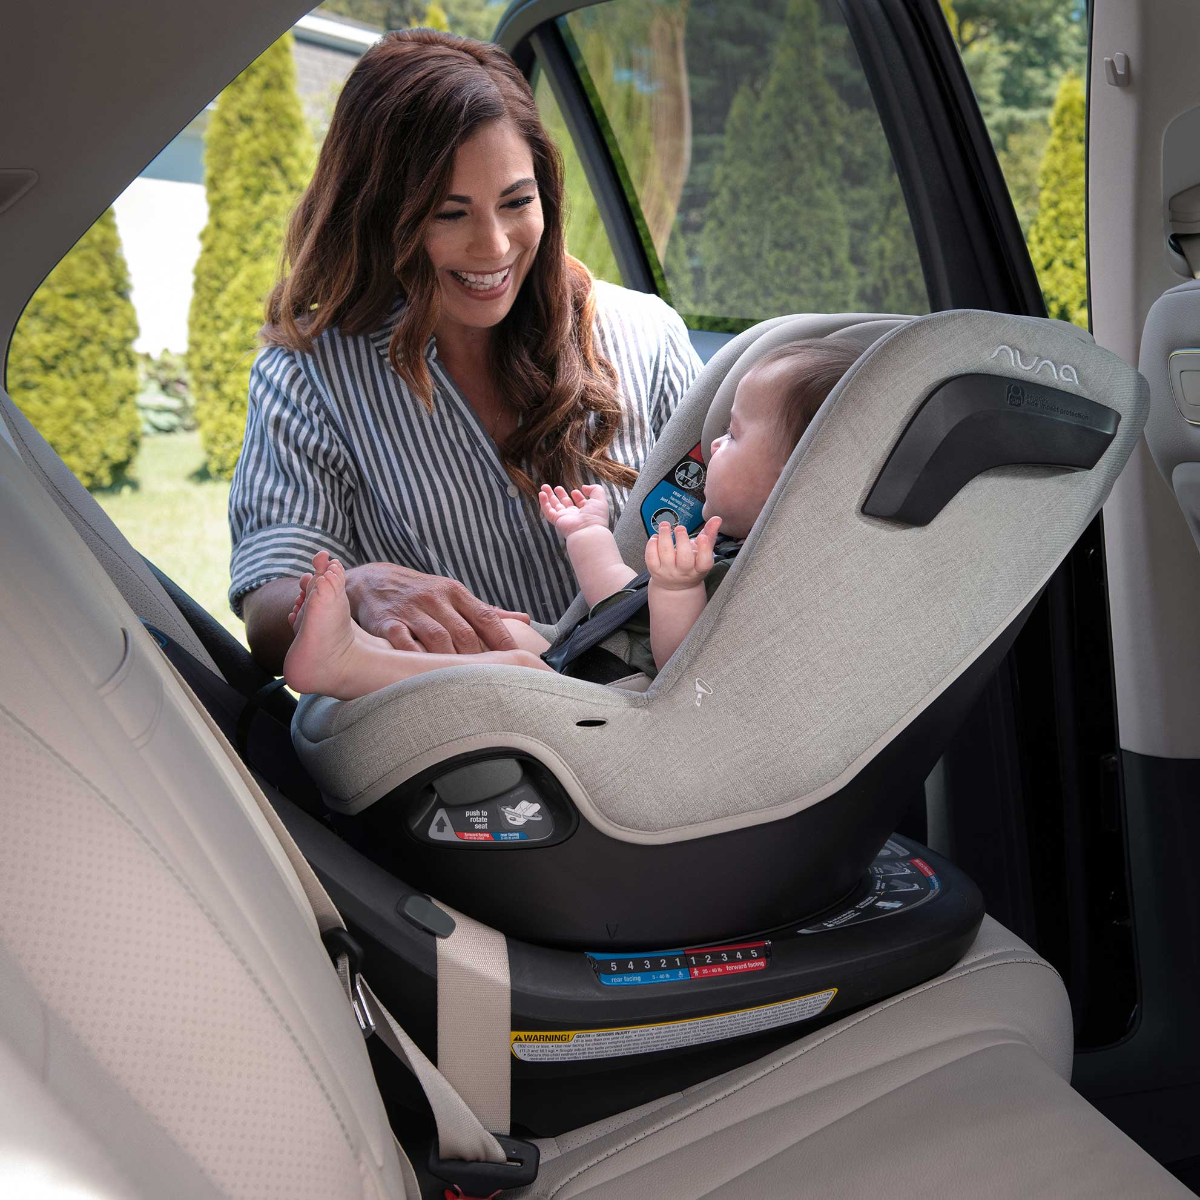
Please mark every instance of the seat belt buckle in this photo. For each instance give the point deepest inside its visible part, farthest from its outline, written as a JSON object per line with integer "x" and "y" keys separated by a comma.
{"x": 339, "y": 944}
{"x": 485, "y": 1180}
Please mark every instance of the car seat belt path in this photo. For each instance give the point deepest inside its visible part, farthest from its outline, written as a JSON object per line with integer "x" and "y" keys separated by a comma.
{"x": 461, "y": 1135}
{"x": 474, "y": 1018}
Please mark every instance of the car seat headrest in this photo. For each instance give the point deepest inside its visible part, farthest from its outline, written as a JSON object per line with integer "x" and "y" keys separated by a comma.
{"x": 858, "y": 328}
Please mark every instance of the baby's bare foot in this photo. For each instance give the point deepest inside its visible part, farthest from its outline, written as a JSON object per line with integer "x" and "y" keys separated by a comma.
{"x": 322, "y": 652}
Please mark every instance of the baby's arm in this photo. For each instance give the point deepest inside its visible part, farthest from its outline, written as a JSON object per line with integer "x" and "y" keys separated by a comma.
{"x": 677, "y": 596}
{"x": 581, "y": 518}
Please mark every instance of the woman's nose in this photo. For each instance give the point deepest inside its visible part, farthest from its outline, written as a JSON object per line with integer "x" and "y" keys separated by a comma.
{"x": 489, "y": 243}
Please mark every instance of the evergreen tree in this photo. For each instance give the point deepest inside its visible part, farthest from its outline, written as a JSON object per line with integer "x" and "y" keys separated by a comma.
{"x": 435, "y": 17}
{"x": 1058, "y": 238}
{"x": 776, "y": 237}
{"x": 258, "y": 156}
{"x": 71, "y": 366}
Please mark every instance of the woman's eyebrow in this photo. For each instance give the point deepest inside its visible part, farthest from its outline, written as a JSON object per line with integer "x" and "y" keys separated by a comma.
{"x": 512, "y": 187}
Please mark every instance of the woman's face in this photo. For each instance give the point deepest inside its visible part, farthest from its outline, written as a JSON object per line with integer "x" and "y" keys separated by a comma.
{"x": 485, "y": 234}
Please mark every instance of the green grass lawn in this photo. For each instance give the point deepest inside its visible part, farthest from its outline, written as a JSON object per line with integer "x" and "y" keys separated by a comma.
{"x": 176, "y": 517}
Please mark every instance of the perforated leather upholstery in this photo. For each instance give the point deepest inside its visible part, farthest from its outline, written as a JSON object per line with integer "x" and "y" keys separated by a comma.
{"x": 160, "y": 969}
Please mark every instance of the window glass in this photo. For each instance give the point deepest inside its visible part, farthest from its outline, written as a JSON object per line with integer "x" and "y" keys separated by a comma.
{"x": 132, "y": 359}
{"x": 587, "y": 239}
{"x": 1027, "y": 62}
{"x": 752, "y": 154}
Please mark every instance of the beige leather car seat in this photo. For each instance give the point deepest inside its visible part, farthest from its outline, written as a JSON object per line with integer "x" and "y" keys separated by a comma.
{"x": 170, "y": 1024}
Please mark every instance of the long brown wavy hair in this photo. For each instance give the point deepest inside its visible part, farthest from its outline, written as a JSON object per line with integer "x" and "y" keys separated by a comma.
{"x": 384, "y": 170}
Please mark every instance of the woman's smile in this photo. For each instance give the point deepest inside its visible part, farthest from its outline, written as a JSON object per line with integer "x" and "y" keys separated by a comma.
{"x": 483, "y": 286}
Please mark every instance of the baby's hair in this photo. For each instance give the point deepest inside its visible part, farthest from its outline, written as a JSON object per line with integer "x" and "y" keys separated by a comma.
{"x": 817, "y": 366}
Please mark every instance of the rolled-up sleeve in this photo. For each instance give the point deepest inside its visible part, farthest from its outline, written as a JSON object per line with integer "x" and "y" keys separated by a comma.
{"x": 293, "y": 488}
{"x": 680, "y": 364}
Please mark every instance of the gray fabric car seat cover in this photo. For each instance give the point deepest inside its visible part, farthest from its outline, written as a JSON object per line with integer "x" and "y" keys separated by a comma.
{"x": 832, "y": 631}
{"x": 160, "y": 967}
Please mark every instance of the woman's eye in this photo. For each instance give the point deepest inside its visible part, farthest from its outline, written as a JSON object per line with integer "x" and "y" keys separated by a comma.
{"x": 522, "y": 202}
{"x": 451, "y": 216}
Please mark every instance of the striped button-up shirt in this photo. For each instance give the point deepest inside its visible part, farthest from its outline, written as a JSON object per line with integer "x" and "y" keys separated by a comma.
{"x": 339, "y": 455}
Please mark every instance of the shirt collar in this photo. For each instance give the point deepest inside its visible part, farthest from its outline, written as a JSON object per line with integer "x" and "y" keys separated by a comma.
{"x": 381, "y": 338}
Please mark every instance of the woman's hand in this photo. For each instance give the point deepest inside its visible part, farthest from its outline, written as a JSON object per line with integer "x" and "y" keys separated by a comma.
{"x": 425, "y": 612}
{"x": 683, "y": 562}
{"x": 569, "y": 512}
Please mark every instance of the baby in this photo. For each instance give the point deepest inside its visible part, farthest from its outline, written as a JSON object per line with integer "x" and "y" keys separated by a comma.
{"x": 333, "y": 655}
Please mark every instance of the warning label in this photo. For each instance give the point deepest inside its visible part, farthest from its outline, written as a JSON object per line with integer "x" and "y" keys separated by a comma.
{"x": 678, "y": 498}
{"x": 576, "y": 1045}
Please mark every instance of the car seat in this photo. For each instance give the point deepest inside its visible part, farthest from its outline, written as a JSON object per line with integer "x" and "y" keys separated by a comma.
{"x": 753, "y": 781}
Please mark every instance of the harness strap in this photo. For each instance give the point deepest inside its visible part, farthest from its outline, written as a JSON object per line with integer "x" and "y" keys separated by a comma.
{"x": 591, "y": 630}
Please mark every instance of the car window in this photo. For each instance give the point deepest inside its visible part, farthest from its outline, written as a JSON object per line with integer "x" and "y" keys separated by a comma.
{"x": 587, "y": 238}
{"x": 752, "y": 156}
{"x": 1027, "y": 63}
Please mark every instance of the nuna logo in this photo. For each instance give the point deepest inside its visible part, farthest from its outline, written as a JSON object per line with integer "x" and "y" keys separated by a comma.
{"x": 1066, "y": 373}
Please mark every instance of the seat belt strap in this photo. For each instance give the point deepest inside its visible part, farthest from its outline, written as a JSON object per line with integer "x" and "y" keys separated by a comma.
{"x": 474, "y": 1018}
{"x": 461, "y": 1136}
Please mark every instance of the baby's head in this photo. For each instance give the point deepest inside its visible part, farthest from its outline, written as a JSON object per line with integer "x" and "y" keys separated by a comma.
{"x": 774, "y": 402}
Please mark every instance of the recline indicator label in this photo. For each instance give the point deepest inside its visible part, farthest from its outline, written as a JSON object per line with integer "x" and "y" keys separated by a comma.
{"x": 675, "y": 966}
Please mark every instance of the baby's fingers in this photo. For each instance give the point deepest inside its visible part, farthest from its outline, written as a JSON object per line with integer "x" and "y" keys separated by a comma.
{"x": 684, "y": 551}
{"x": 666, "y": 547}
{"x": 653, "y": 563}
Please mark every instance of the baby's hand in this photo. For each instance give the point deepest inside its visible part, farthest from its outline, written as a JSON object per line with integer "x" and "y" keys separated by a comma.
{"x": 684, "y": 562}
{"x": 572, "y": 511}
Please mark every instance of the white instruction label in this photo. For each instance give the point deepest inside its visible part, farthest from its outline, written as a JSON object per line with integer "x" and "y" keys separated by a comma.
{"x": 574, "y": 1045}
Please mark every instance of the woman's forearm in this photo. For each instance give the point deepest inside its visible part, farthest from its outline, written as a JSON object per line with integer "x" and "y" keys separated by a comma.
{"x": 673, "y": 612}
{"x": 598, "y": 564}
{"x": 265, "y": 611}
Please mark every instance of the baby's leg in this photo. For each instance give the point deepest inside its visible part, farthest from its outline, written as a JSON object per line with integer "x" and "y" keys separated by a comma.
{"x": 526, "y": 638}
{"x": 328, "y": 657}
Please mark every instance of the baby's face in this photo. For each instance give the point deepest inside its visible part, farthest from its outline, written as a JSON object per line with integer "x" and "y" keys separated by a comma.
{"x": 745, "y": 461}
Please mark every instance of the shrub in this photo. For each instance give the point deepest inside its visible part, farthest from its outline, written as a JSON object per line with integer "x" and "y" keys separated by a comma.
{"x": 164, "y": 397}
{"x": 71, "y": 367}
{"x": 1058, "y": 239}
{"x": 257, "y": 159}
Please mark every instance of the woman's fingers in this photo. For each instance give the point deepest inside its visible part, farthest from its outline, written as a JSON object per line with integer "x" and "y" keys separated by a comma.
{"x": 397, "y": 635}
{"x": 485, "y": 620}
{"x": 447, "y": 633}
{"x": 508, "y": 615}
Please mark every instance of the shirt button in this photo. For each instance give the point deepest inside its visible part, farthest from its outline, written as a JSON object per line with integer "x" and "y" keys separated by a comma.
{"x": 513, "y": 490}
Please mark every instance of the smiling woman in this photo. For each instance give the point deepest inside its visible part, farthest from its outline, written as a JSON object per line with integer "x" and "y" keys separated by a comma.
{"x": 432, "y": 357}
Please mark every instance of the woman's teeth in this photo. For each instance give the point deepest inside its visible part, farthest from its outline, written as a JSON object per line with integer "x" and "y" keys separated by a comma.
{"x": 482, "y": 283}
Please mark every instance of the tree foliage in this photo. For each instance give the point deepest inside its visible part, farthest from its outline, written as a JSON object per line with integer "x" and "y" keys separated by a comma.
{"x": 257, "y": 159}
{"x": 1057, "y": 240}
{"x": 71, "y": 367}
